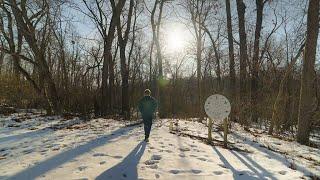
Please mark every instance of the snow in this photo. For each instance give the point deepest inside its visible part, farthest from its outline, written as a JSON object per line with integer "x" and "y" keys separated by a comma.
{"x": 41, "y": 147}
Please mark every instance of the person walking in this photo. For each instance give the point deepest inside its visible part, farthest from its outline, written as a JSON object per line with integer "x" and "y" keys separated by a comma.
{"x": 147, "y": 106}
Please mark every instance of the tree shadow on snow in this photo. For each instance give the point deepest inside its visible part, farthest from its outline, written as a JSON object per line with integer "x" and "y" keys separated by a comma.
{"x": 65, "y": 156}
{"x": 239, "y": 175}
{"x": 255, "y": 167}
{"x": 272, "y": 155}
{"x": 21, "y": 136}
{"x": 127, "y": 169}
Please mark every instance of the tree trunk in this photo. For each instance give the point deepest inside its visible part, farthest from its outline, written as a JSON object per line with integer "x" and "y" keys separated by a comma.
{"x": 123, "y": 40}
{"x": 104, "y": 82}
{"x": 255, "y": 62}
{"x": 111, "y": 89}
{"x": 232, "y": 74}
{"x": 51, "y": 91}
{"x": 1, "y": 60}
{"x": 308, "y": 101}
{"x": 241, "y": 7}
{"x": 150, "y": 64}
{"x": 38, "y": 48}
{"x": 199, "y": 75}
{"x": 278, "y": 106}
{"x": 107, "y": 87}
{"x": 156, "y": 33}
{"x": 124, "y": 81}
{"x": 217, "y": 57}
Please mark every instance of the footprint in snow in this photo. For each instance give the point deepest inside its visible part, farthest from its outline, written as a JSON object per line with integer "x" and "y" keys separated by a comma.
{"x": 154, "y": 166}
{"x": 223, "y": 166}
{"x": 49, "y": 146}
{"x": 3, "y": 149}
{"x": 196, "y": 171}
{"x": 47, "y": 140}
{"x": 241, "y": 173}
{"x": 202, "y": 159}
{"x": 282, "y": 172}
{"x": 174, "y": 171}
{"x": 81, "y": 168}
{"x": 156, "y": 157}
{"x": 99, "y": 154}
{"x": 27, "y": 151}
{"x": 43, "y": 150}
{"x": 4, "y": 154}
{"x": 168, "y": 151}
{"x": 102, "y": 162}
{"x": 217, "y": 172}
{"x": 192, "y": 155}
{"x": 150, "y": 162}
{"x": 117, "y": 157}
{"x": 184, "y": 149}
{"x": 157, "y": 176}
{"x": 56, "y": 148}
{"x": 182, "y": 155}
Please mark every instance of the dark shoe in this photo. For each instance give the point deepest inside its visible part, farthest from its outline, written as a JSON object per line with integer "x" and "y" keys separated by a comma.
{"x": 146, "y": 140}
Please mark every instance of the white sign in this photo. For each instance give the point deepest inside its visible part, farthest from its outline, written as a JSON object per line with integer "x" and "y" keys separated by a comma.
{"x": 217, "y": 107}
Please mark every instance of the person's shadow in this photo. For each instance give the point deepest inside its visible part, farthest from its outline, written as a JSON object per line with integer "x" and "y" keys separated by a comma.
{"x": 127, "y": 169}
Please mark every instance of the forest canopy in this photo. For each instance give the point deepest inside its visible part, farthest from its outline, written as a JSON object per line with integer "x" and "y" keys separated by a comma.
{"x": 97, "y": 57}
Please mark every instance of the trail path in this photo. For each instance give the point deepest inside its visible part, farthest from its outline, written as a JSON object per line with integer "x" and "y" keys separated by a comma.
{"x": 119, "y": 153}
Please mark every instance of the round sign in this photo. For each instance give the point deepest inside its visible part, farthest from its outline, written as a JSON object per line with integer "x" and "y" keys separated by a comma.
{"x": 217, "y": 107}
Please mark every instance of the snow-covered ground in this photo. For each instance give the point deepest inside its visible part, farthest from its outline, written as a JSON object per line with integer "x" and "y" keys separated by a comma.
{"x": 41, "y": 147}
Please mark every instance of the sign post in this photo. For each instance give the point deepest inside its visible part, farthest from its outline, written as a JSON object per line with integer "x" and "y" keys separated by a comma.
{"x": 225, "y": 132}
{"x": 210, "y": 130}
{"x": 218, "y": 108}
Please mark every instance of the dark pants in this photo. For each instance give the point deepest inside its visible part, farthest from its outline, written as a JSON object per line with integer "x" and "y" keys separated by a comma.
{"x": 147, "y": 121}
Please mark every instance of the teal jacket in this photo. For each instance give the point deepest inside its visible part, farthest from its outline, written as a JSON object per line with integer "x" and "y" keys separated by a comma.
{"x": 147, "y": 106}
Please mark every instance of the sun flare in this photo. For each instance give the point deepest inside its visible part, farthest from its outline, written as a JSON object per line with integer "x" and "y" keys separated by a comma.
{"x": 175, "y": 40}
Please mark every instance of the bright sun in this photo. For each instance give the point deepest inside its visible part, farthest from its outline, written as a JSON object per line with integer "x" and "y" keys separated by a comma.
{"x": 175, "y": 41}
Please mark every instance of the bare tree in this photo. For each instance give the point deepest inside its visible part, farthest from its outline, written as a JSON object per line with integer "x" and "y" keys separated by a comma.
{"x": 255, "y": 60}
{"x": 155, "y": 25}
{"x": 232, "y": 74}
{"x": 108, "y": 35}
{"x": 123, "y": 40}
{"x": 214, "y": 43}
{"x": 278, "y": 111}
{"x": 199, "y": 11}
{"x": 36, "y": 29}
{"x": 308, "y": 99}
{"x": 241, "y": 8}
